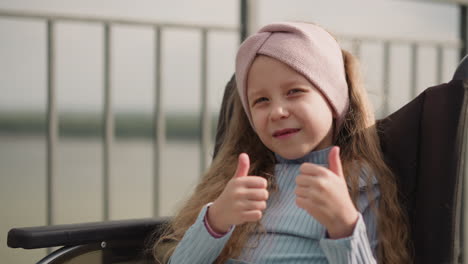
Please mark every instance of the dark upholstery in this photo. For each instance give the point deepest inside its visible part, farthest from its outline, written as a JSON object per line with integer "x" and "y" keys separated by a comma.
{"x": 422, "y": 143}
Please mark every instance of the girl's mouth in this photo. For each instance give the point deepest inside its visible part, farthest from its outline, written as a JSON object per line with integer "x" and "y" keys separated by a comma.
{"x": 283, "y": 133}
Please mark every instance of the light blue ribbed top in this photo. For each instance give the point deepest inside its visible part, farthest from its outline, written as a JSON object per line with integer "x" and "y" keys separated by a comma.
{"x": 292, "y": 235}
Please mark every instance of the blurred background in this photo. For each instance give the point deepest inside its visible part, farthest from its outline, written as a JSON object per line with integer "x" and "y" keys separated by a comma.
{"x": 108, "y": 108}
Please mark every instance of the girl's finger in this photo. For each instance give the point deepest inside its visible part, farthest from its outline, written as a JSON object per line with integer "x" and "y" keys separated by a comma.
{"x": 305, "y": 180}
{"x": 257, "y": 194}
{"x": 335, "y": 162}
{"x": 302, "y": 191}
{"x": 252, "y": 216}
{"x": 243, "y": 165}
{"x": 312, "y": 169}
{"x": 253, "y": 182}
{"x": 255, "y": 205}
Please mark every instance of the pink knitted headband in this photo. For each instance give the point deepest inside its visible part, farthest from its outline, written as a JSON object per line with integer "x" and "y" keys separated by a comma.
{"x": 306, "y": 48}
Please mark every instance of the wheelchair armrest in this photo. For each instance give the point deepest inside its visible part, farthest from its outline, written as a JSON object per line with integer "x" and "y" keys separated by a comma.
{"x": 84, "y": 233}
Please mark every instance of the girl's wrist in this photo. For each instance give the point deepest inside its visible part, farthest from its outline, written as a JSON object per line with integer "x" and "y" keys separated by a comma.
{"x": 213, "y": 220}
{"x": 344, "y": 228}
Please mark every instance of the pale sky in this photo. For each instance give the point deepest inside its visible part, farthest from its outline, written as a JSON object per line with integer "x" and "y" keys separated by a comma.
{"x": 79, "y": 47}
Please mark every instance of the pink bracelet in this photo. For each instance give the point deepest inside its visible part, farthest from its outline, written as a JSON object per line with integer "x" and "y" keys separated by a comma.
{"x": 210, "y": 229}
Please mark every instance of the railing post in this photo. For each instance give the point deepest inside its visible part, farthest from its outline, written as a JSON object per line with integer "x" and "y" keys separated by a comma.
{"x": 159, "y": 121}
{"x": 439, "y": 63}
{"x": 463, "y": 31}
{"x": 356, "y": 48}
{"x": 386, "y": 78}
{"x": 108, "y": 135}
{"x": 52, "y": 125}
{"x": 244, "y": 20}
{"x": 414, "y": 75}
{"x": 52, "y": 121}
{"x": 205, "y": 124}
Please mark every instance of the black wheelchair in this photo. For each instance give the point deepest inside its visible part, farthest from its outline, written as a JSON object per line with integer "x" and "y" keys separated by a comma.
{"x": 424, "y": 142}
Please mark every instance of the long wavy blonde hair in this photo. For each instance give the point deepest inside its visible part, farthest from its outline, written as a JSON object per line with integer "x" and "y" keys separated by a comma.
{"x": 358, "y": 141}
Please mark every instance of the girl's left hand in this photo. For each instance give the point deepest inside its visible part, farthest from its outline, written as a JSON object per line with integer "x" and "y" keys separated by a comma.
{"x": 323, "y": 193}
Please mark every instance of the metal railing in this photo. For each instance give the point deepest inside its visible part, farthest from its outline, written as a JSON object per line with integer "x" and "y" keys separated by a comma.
{"x": 159, "y": 116}
{"x": 108, "y": 116}
{"x": 415, "y": 46}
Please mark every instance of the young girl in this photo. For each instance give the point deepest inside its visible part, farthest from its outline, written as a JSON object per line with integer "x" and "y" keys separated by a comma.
{"x": 299, "y": 177}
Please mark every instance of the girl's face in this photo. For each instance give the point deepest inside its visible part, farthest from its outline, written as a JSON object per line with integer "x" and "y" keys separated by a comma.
{"x": 290, "y": 115}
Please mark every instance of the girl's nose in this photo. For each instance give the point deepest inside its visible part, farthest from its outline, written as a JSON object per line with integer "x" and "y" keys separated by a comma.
{"x": 279, "y": 112}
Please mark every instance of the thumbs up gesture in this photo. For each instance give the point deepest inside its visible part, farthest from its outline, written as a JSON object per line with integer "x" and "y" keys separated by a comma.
{"x": 323, "y": 193}
{"x": 242, "y": 200}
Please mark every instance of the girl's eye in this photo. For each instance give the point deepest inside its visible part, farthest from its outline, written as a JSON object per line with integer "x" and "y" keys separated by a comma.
{"x": 259, "y": 100}
{"x": 293, "y": 91}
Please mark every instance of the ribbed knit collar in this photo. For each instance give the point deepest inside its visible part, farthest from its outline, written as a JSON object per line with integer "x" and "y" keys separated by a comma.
{"x": 317, "y": 157}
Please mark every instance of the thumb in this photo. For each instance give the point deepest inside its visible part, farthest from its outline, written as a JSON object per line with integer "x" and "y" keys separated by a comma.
{"x": 243, "y": 165}
{"x": 334, "y": 161}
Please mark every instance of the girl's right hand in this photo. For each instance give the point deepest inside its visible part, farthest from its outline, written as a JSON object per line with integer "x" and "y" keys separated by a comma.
{"x": 242, "y": 200}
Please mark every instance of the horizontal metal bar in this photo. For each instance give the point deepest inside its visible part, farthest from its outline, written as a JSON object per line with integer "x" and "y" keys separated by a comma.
{"x": 407, "y": 41}
{"x": 109, "y": 20}
{"x": 451, "y": 2}
{"x": 151, "y": 23}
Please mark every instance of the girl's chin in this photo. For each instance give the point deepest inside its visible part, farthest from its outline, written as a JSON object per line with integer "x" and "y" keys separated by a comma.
{"x": 297, "y": 154}
{"x": 292, "y": 155}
